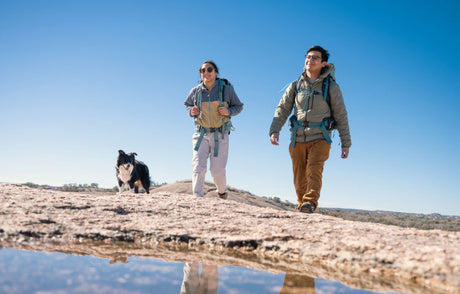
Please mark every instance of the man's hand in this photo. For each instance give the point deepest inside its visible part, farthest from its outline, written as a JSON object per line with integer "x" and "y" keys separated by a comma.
{"x": 274, "y": 138}
{"x": 345, "y": 152}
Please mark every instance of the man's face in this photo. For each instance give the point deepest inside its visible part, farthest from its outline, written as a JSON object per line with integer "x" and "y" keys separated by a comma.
{"x": 314, "y": 62}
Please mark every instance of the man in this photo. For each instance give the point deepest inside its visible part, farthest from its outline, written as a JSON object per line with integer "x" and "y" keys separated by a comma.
{"x": 318, "y": 105}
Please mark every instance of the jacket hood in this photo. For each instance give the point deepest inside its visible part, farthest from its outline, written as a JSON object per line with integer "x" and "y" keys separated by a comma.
{"x": 328, "y": 69}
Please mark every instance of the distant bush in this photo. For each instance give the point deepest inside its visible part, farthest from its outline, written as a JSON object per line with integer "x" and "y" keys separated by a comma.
{"x": 405, "y": 220}
{"x": 93, "y": 187}
{"x": 157, "y": 184}
{"x": 31, "y": 185}
{"x": 73, "y": 187}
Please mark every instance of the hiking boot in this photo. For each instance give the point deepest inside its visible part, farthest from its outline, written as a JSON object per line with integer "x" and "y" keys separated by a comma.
{"x": 223, "y": 195}
{"x": 306, "y": 208}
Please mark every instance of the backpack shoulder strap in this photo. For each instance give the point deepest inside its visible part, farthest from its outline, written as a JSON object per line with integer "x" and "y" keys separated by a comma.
{"x": 221, "y": 91}
{"x": 326, "y": 83}
{"x": 198, "y": 98}
{"x": 223, "y": 83}
{"x": 297, "y": 85}
{"x": 198, "y": 95}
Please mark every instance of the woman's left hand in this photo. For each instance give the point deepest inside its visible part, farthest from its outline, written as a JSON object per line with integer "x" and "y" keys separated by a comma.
{"x": 223, "y": 111}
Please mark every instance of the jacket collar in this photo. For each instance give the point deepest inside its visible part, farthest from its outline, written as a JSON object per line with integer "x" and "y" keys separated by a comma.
{"x": 324, "y": 72}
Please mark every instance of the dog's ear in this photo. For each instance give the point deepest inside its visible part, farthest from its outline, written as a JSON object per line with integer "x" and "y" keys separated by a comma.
{"x": 121, "y": 152}
{"x": 134, "y": 153}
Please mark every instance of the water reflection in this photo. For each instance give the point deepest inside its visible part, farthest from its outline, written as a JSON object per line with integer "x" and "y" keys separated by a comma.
{"x": 207, "y": 281}
{"x": 196, "y": 283}
{"x": 41, "y": 272}
{"x": 294, "y": 284}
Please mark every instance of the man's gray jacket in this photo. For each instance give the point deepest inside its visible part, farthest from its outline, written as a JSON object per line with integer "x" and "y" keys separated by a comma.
{"x": 315, "y": 111}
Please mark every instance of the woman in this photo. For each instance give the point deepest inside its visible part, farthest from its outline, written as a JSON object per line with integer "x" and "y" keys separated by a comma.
{"x": 211, "y": 104}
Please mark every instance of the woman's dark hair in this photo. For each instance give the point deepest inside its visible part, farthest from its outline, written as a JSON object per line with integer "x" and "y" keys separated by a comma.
{"x": 211, "y": 63}
{"x": 324, "y": 53}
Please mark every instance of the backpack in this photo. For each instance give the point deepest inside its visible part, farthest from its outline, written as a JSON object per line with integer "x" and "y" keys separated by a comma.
{"x": 222, "y": 83}
{"x": 325, "y": 87}
{"x": 328, "y": 123}
{"x": 226, "y": 125}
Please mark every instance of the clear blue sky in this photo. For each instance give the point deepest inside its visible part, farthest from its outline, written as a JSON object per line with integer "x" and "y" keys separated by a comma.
{"x": 81, "y": 79}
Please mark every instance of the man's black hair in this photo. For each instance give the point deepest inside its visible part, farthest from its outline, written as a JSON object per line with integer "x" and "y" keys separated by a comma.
{"x": 324, "y": 53}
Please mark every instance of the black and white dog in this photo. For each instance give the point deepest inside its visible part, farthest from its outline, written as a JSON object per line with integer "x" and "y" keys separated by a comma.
{"x": 131, "y": 172}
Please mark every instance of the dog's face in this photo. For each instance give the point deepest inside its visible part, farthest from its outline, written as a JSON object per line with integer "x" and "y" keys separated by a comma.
{"x": 125, "y": 162}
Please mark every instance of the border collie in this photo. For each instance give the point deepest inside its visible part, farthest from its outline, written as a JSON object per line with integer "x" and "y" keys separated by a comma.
{"x": 132, "y": 173}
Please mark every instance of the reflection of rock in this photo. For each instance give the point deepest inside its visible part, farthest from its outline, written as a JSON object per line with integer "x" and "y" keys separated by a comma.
{"x": 120, "y": 259}
{"x": 215, "y": 231}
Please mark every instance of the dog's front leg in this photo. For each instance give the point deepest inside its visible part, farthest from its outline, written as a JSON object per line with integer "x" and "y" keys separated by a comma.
{"x": 122, "y": 188}
{"x": 132, "y": 187}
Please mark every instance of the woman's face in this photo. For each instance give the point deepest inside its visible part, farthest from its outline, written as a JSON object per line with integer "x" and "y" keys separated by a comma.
{"x": 208, "y": 73}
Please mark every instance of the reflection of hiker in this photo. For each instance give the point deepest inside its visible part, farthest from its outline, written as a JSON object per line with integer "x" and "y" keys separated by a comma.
{"x": 195, "y": 284}
{"x": 318, "y": 108}
{"x": 211, "y": 103}
{"x": 296, "y": 284}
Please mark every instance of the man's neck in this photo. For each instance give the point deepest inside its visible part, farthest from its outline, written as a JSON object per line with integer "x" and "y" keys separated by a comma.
{"x": 313, "y": 75}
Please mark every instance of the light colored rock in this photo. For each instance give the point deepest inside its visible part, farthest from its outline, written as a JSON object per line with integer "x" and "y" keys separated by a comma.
{"x": 230, "y": 231}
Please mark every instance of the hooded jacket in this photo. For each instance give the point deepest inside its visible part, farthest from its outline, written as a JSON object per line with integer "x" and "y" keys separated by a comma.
{"x": 209, "y": 115}
{"x": 316, "y": 109}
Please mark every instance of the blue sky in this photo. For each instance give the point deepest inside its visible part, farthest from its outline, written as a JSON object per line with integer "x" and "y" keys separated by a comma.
{"x": 80, "y": 80}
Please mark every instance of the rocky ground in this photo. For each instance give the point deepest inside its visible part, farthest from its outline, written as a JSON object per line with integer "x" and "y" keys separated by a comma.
{"x": 244, "y": 230}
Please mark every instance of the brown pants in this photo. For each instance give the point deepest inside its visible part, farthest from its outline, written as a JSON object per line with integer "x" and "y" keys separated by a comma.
{"x": 308, "y": 163}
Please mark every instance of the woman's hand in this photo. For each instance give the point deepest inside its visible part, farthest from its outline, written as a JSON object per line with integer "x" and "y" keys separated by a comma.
{"x": 195, "y": 111}
{"x": 223, "y": 111}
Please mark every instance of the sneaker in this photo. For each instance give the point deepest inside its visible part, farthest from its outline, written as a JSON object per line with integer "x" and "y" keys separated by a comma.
{"x": 223, "y": 195}
{"x": 306, "y": 208}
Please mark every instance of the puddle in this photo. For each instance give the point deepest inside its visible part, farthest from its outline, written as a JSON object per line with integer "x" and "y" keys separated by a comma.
{"x": 25, "y": 271}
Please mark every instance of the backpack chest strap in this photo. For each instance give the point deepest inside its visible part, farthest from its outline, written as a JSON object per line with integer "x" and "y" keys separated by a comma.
{"x": 309, "y": 95}
{"x": 296, "y": 124}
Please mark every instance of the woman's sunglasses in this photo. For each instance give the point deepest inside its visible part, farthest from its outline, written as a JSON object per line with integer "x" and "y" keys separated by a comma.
{"x": 208, "y": 69}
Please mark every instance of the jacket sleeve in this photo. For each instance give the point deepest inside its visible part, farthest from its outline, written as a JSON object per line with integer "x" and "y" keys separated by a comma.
{"x": 190, "y": 101}
{"x": 340, "y": 114}
{"x": 234, "y": 104}
{"x": 283, "y": 110}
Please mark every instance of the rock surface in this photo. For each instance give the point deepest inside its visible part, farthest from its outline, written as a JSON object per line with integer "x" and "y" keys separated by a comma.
{"x": 366, "y": 255}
